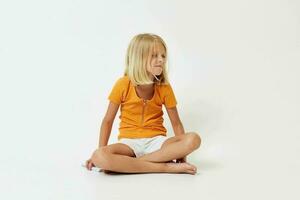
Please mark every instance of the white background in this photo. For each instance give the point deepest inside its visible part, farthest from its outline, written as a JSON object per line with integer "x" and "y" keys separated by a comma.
{"x": 234, "y": 67}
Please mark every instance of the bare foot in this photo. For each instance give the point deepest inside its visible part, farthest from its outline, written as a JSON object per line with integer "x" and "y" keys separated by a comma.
{"x": 182, "y": 168}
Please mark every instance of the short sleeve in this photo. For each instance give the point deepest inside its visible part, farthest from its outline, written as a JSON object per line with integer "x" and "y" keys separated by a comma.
{"x": 117, "y": 91}
{"x": 169, "y": 97}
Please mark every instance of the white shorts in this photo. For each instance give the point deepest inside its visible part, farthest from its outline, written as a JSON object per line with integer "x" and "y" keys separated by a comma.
{"x": 142, "y": 146}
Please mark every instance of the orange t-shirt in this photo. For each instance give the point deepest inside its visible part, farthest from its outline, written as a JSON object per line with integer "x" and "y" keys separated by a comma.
{"x": 141, "y": 118}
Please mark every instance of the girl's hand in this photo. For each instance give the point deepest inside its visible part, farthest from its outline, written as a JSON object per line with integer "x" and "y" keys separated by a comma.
{"x": 181, "y": 160}
{"x": 89, "y": 164}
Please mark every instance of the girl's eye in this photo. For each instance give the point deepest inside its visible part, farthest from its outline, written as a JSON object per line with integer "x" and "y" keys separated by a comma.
{"x": 155, "y": 55}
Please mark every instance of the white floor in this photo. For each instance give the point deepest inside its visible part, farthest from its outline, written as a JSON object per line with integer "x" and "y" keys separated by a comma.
{"x": 231, "y": 168}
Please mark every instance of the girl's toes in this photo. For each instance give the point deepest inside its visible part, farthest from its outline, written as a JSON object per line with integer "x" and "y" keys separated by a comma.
{"x": 191, "y": 167}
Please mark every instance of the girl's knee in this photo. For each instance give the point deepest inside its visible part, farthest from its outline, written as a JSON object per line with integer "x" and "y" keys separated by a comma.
{"x": 100, "y": 158}
{"x": 193, "y": 140}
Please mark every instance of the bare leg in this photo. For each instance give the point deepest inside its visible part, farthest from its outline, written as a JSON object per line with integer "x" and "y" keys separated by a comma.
{"x": 180, "y": 147}
{"x": 125, "y": 164}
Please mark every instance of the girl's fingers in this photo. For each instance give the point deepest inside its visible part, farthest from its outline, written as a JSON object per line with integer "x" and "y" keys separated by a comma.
{"x": 90, "y": 166}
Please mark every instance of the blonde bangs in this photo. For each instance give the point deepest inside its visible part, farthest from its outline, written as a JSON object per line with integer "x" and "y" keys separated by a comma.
{"x": 138, "y": 54}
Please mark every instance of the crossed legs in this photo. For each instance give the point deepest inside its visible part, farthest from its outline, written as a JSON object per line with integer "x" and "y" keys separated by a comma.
{"x": 120, "y": 158}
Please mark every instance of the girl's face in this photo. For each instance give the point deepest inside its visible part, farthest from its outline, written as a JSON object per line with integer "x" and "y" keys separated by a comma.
{"x": 157, "y": 60}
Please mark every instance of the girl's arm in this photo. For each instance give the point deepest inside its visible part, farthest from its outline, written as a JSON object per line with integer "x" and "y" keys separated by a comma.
{"x": 175, "y": 121}
{"x": 177, "y": 127}
{"x": 107, "y": 123}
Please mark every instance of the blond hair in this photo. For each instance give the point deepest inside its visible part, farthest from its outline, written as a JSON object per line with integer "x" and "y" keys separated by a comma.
{"x": 138, "y": 54}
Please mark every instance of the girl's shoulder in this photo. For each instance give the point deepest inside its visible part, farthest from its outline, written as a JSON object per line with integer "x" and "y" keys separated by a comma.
{"x": 164, "y": 87}
{"x": 165, "y": 90}
{"x": 119, "y": 90}
{"x": 122, "y": 81}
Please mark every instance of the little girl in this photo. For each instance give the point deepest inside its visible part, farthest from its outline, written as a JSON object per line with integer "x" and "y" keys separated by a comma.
{"x": 143, "y": 146}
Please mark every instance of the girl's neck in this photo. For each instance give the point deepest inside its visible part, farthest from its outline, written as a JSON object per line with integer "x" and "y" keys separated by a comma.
{"x": 145, "y": 87}
{"x": 145, "y": 92}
